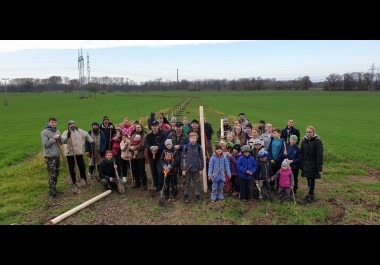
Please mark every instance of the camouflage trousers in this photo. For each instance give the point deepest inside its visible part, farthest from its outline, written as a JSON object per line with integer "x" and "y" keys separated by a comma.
{"x": 52, "y": 165}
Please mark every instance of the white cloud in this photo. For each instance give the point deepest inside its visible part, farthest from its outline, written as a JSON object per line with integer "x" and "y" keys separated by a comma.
{"x": 7, "y": 46}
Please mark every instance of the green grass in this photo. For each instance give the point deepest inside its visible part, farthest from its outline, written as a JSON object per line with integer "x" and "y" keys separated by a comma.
{"x": 347, "y": 123}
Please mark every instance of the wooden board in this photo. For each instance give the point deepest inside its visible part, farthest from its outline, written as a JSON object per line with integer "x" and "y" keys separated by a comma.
{"x": 203, "y": 148}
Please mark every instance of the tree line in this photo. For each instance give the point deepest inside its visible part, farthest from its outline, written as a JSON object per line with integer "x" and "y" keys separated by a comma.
{"x": 356, "y": 81}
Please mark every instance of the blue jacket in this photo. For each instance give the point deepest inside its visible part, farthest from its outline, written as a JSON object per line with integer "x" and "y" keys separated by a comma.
{"x": 217, "y": 168}
{"x": 245, "y": 163}
{"x": 294, "y": 153}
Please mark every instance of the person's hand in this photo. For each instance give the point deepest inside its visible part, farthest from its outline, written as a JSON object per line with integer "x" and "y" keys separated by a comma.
{"x": 209, "y": 177}
{"x": 111, "y": 126}
{"x": 56, "y": 136}
{"x": 183, "y": 173}
{"x": 200, "y": 172}
{"x": 112, "y": 179}
{"x": 177, "y": 147}
{"x": 115, "y": 166}
{"x": 165, "y": 167}
{"x": 320, "y": 173}
{"x": 169, "y": 167}
{"x": 69, "y": 134}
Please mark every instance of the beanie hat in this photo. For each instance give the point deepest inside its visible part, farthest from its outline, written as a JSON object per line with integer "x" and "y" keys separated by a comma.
{"x": 105, "y": 118}
{"x": 178, "y": 124}
{"x": 225, "y": 120}
{"x": 294, "y": 137}
{"x": 71, "y": 122}
{"x": 245, "y": 148}
{"x": 285, "y": 163}
{"x": 249, "y": 125}
{"x": 263, "y": 153}
{"x": 95, "y": 123}
{"x": 195, "y": 121}
{"x": 242, "y": 113}
{"x": 168, "y": 141}
{"x": 174, "y": 119}
{"x": 262, "y": 121}
{"x": 257, "y": 141}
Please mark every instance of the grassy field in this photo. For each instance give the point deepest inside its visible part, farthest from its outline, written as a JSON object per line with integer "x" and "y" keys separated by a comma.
{"x": 347, "y": 123}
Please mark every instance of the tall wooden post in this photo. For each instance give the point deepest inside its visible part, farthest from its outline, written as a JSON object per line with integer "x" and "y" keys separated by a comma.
{"x": 201, "y": 121}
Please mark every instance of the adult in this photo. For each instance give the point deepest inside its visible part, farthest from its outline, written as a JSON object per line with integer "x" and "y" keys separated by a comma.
{"x": 108, "y": 129}
{"x": 51, "y": 143}
{"x": 226, "y": 128}
{"x": 94, "y": 152}
{"x": 290, "y": 130}
{"x": 267, "y": 136}
{"x": 243, "y": 120}
{"x": 311, "y": 161}
{"x": 162, "y": 117}
{"x": 73, "y": 138}
{"x": 154, "y": 142}
{"x": 151, "y": 118}
{"x": 261, "y": 127}
{"x": 209, "y": 131}
{"x": 138, "y": 160}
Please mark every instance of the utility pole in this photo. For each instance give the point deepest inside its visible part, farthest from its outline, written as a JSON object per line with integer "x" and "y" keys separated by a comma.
{"x": 81, "y": 72}
{"x": 5, "y": 99}
{"x": 373, "y": 68}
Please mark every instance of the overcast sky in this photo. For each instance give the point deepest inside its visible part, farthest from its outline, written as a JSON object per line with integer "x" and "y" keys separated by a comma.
{"x": 204, "y": 59}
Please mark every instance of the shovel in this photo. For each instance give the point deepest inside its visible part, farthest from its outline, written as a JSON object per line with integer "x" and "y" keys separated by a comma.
{"x": 162, "y": 197}
{"x": 294, "y": 198}
{"x": 120, "y": 185}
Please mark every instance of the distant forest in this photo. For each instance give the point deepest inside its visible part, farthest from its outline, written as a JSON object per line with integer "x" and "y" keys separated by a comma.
{"x": 357, "y": 81}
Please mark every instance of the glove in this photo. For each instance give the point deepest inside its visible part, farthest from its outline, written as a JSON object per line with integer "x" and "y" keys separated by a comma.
{"x": 56, "y": 136}
{"x": 165, "y": 167}
{"x": 69, "y": 134}
{"x": 169, "y": 167}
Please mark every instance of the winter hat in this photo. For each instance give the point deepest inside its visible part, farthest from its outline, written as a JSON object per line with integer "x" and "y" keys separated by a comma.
{"x": 262, "y": 121}
{"x": 174, "y": 119}
{"x": 225, "y": 120}
{"x": 71, "y": 122}
{"x": 168, "y": 141}
{"x": 95, "y": 123}
{"x": 249, "y": 125}
{"x": 195, "y": 121}
{"x": 263, "y": 153}
{"x": 294, "y": 137}
{"x": 245, "y": 148}
{"x": 285, "y": 163}
{"x": 105, "y": 118}
{"x": 218, "y": 147}
{"x": 242, "y": 113}
{"x": 257, "y": 141}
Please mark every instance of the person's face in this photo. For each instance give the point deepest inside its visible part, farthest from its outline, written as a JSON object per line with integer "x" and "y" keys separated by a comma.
{"x": 248, "y": 130}
{"x": 264, "y": 159}
{"x": 257, "y": 146}
{"x": 53, "y": 123}
{"x": 218, "y": 151}
{"x": 269, "y": 127}
{"x": 235, "y": 151}
{"x": 178, "y": 129}
{"x": 106, "y": 122}
{"x": 109, "y": 156}
{"x": 229, "y": 137}
{"x": 246, "y": 153}
{"x": 276, "y": 135}
{"x": 138, "y": 128}
{"x": 169, "y": 146}
{"x": 293, "y": 142}
{"x": 255, "y": 133}
{"x": 126, "y": 122}
{"x": 193, "y": 139}
{"x": 284, "y": 167}
{"x": 173, "y": 124}
{"x": 290, "y": 123}
{"x": 261, "y": 125}
{"x": 155, "y": 128}
{"x": 195, "y": 126}
{"x": 238, "y": 129}
{"x": 309, "y": 133}
{"x": 241, "y": 117}
{"x": 186, "y": 122}
{"x": 72, "y": 126}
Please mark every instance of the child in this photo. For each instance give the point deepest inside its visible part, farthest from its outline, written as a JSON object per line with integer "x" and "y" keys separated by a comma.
{"x": 169, "y": 161}
{"x": 263, "y": 174}
{"x": 230, "y": 142}
{"x": 217, "y": 171}
{"x": 136, "y": 141}
{"x": 294, "y": 158}
{"x": 125, "y": 156}
{"x": 192, "y": 166}
{"x": 276, "y": 151}
{"x": 246, "y": 166}
{"x": 285, "y": 180}
{"x": 107, "y": 172}
{"x": 257, "y": 146}
{"x": 227, "y": 154}
{"x": 234, "y": 157}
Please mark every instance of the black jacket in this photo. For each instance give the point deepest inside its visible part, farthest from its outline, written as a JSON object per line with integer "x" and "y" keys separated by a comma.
{"x": 311, "y": 157}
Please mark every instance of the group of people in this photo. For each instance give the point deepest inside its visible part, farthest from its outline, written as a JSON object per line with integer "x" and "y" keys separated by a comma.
{"x": 268, "y": 157}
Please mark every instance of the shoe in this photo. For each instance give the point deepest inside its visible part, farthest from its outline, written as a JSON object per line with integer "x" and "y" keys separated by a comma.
{"x": 187, "y": 200}
{"x": 260, "y": 196}
{"x": 144, "y": 188}
{"x": 235, "y": 193}
{"x": 198, "y": 198}
{"x": 90, "y": 175}
{"x": 124, "y": 179}
{"x": 212, "y": 200}
{"x": 174, "y": 199}
{"x": 244, "y": 200}
{"x": 308, "y": 199}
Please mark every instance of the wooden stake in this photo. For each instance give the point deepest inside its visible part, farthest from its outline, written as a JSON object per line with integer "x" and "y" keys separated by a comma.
{"x": 203, "y": 148}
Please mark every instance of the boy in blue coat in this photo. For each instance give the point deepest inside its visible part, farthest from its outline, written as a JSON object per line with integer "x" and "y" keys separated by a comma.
{"x": 246, "y": 166}
{"x": 217, "y": 171}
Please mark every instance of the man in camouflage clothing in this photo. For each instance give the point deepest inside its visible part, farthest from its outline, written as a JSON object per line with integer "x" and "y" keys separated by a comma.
{"x": 51, "y": 144}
